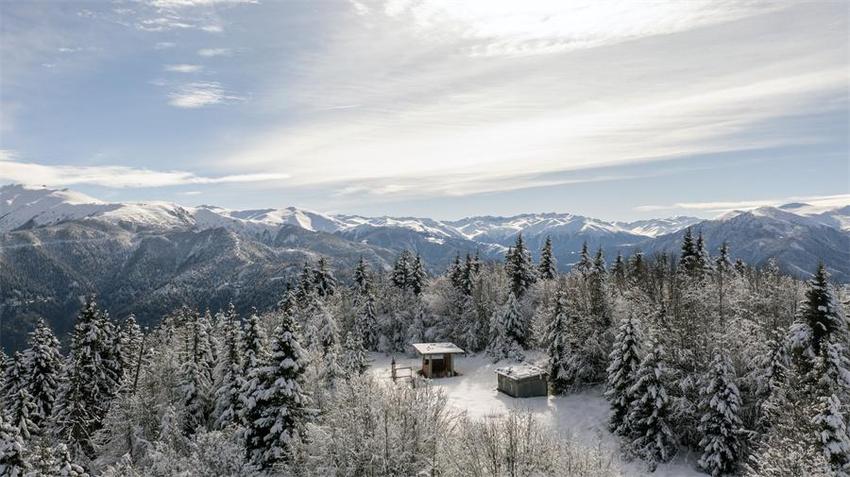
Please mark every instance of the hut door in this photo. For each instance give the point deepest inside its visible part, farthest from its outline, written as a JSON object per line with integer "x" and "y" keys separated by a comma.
{"x": 438, "y": 367}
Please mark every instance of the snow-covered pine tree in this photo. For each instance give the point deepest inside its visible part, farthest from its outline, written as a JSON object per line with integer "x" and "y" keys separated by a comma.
{"x": 418, "y": 327}
{"x": 324, "y": 282}
{"x": 830, "y": 421}
{"x": 690, "y": 259}
{"x": 13, "y": 461}
{"x": 455, "y": 273}
{"x": 402, "y": 270}
{"x": 366, "y": 323}
{"x": 547, "y": 267}
{"x": 89, "y": 382}
{"x": 585, "y": 263}
{"x": 325, "y": 326}
{"x": 362, "y": 282}
{"x": 508, "y": 331}
{"x": 637, "y": 269}
{"x": 42, "y": 365}
{"x": 4, "y": 360}
{"x": 195, "y": 378}
{"x": 720, "y": 422}
{"x": 305, "y": 284}
{"x": 600, "y": 306}
{"x": 519, "y": 268}
{"x": 619, "y": 273}
{"x": 622, "y": 375}
{"x": 649, "y": 415}
{"x": 132, "y": 349}
{"x": 417, "y": 275}
{"x": 21, "y": 410}
{"x": 12, "y": 379}
{"x": 470, "y": 271}
{"x": 276, "y": 411}
{"x": 354, "y": 355}
{"x": 820, "y": 321}
{"x": 557, "y": 345}
{"x": 111, "y": 360}
{"x": 228, "y": 371}
{"x": 254, "y": 348}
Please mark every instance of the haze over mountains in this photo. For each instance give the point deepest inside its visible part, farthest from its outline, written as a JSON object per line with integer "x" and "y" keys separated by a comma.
{"x": 147, "y": 258}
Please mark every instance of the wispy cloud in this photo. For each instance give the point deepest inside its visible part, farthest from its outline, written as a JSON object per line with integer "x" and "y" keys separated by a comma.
{"x": 164, "y": 45}
{"x": 481, "y": 122}
{"x": 210, "y": 52}
{"x": 200, "y": 94}
{"x": 117, "y": 177}
{"x": 183, "y": 68}
{"x": 720, "y": 207}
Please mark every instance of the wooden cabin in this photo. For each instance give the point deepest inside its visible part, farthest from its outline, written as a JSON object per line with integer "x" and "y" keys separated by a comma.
{"x": 437, "y": 359}
{"x": 523, "y": 380}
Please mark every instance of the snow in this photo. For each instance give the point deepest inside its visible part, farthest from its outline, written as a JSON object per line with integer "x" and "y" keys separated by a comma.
{"x": 521, "y": 371}
{"x": 583, "y": 415}
{"x": 437, "y": 348}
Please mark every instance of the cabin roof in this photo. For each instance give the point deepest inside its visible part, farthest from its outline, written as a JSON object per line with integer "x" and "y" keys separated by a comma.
{"x": 521, "y": 371}
{"x": 437, "y": 348}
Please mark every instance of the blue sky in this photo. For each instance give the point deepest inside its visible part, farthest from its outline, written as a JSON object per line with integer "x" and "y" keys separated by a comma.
{"x": 619, "y": 110}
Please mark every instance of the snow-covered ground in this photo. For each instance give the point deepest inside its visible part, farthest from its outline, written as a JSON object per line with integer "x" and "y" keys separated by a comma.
{"x": 583, "y": 416}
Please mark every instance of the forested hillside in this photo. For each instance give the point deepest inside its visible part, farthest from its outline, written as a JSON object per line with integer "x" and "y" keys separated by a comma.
{"x": 745, "y": 367}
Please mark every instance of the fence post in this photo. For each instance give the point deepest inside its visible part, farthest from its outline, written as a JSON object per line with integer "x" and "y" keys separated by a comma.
{"x": 392, "y": 364}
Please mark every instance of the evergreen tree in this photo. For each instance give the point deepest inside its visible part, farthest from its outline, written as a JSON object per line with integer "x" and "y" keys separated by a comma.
{"x": 637, "y": 268}
{"x": 831, "y": 423}
{"x": 557, "y": 345}
{"x": 622, "y": 375}
{"x": 820, "y": 319}
{"x": 649, "y": 415}
{"x": 12, "y": 450}
{"x": 195, "y": 379}
{"x": 276, "y": 409}
{"x": 362, "y": 283}
{"x": 508, "y": 331}
{"x": 366, "y": 324}
{"x": 691, "y": 258}
{"x": 326, "y": 329}
{"x": 42, "y": 367}
{"x": 470, "y": 271}
{"x": 132, "y": 349}
{"x": 305, "y": 284}
{"x": 402, "y": 270}
{"x": 354, "y": 355}
{"x": 519, "y": 268}
{"x": 455, "y": 273}
{"x": 547, "y": 266}
{"x": 585, "y": 263}
{"x": 253, "y": 344}
{"x": 89, "y": 382}
{"x": 598, "y": 284}
{"x": 324, "y": 282}
{"x": 720, "y": 424}
{"x": 619, "y": 272}
{"x": 12, "y": 381}
{"x": 228, "y": 371}
{"x": 417, "y": 275}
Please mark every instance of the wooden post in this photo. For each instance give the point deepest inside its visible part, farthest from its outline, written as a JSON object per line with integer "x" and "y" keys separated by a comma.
{"x": 392, "y": 364}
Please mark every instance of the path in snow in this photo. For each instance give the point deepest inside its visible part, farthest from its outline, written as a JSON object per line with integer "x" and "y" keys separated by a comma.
{"x": 583, "y": 415}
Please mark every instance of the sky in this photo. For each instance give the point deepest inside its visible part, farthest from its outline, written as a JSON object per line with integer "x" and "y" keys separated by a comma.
{"x": 617, "y": 110}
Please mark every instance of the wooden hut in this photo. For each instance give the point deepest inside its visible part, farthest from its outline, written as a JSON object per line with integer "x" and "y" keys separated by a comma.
{"x": 523, "y": 380}
{"x": 437, "y": 359}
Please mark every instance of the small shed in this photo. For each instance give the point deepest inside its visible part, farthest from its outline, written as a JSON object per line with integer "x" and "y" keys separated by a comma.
{"x": 437, "y": 359}
{"x": 523, "y": 380}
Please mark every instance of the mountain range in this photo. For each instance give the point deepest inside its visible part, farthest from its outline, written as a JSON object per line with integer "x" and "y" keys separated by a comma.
{"x": 147, "y": 258}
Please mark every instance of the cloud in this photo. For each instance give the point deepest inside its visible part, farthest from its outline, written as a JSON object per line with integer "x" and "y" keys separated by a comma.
{"x": 200, "y": 94}
{"x": 164, "y": 45}
{"x": 113, "y": 176}
{"x": 183, "y": 68}
{"x": 719, "y": 207}
{"x": 210, "y": 52}
{"x": 428, "y": 105}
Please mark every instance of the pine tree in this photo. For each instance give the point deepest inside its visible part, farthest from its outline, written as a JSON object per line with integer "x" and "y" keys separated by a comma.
{"x": 89, "y": 382}
{"x": 622, "y": 375}
{"x": 690, "y": 260}
{"x": 619, "y": 273}
{"x": 402, "y": 270}
{"x": 418, "y": 323}
{"x": 354, "y": 355}
{"x": 834, "y": 439}
{"x": 417, "y": 275}
{"x": 720, "y": 421}
{"x": 519, "y": 268}
{"x": 12, "y": 450}
{"x": 557, "y": 345}
{"x": 649, "y": 415}
{"x": 598, "y": 284}
{"x": 470, "y": 271}
{"x": 324, "y": 282}
{"x": 195, "y": 380}
{"x": 42, "y": 367}
{"x": 508, "y": 331}
{"x": 228, "y": 371}
{"x": 455, "y": 273}
{"x": 326, "y": 329}
{"x": 547, "y": 266}
{"x": 132, "y": 349}
{"x": 362, "y": 283}
{"x": 276, "y": 410}
{"x": 585, "y": 263}
{"x": 366, "y": 324}
{"x": 820, "y": 318}
{"x": 305, "y": 284}
{"x": 21, "y": 411}
{"x": 253, "y": 343}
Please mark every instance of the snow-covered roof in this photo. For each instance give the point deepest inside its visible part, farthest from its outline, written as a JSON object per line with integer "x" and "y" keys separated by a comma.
{"x": 437, "y": 348}
{"x": 521, "y": 371}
